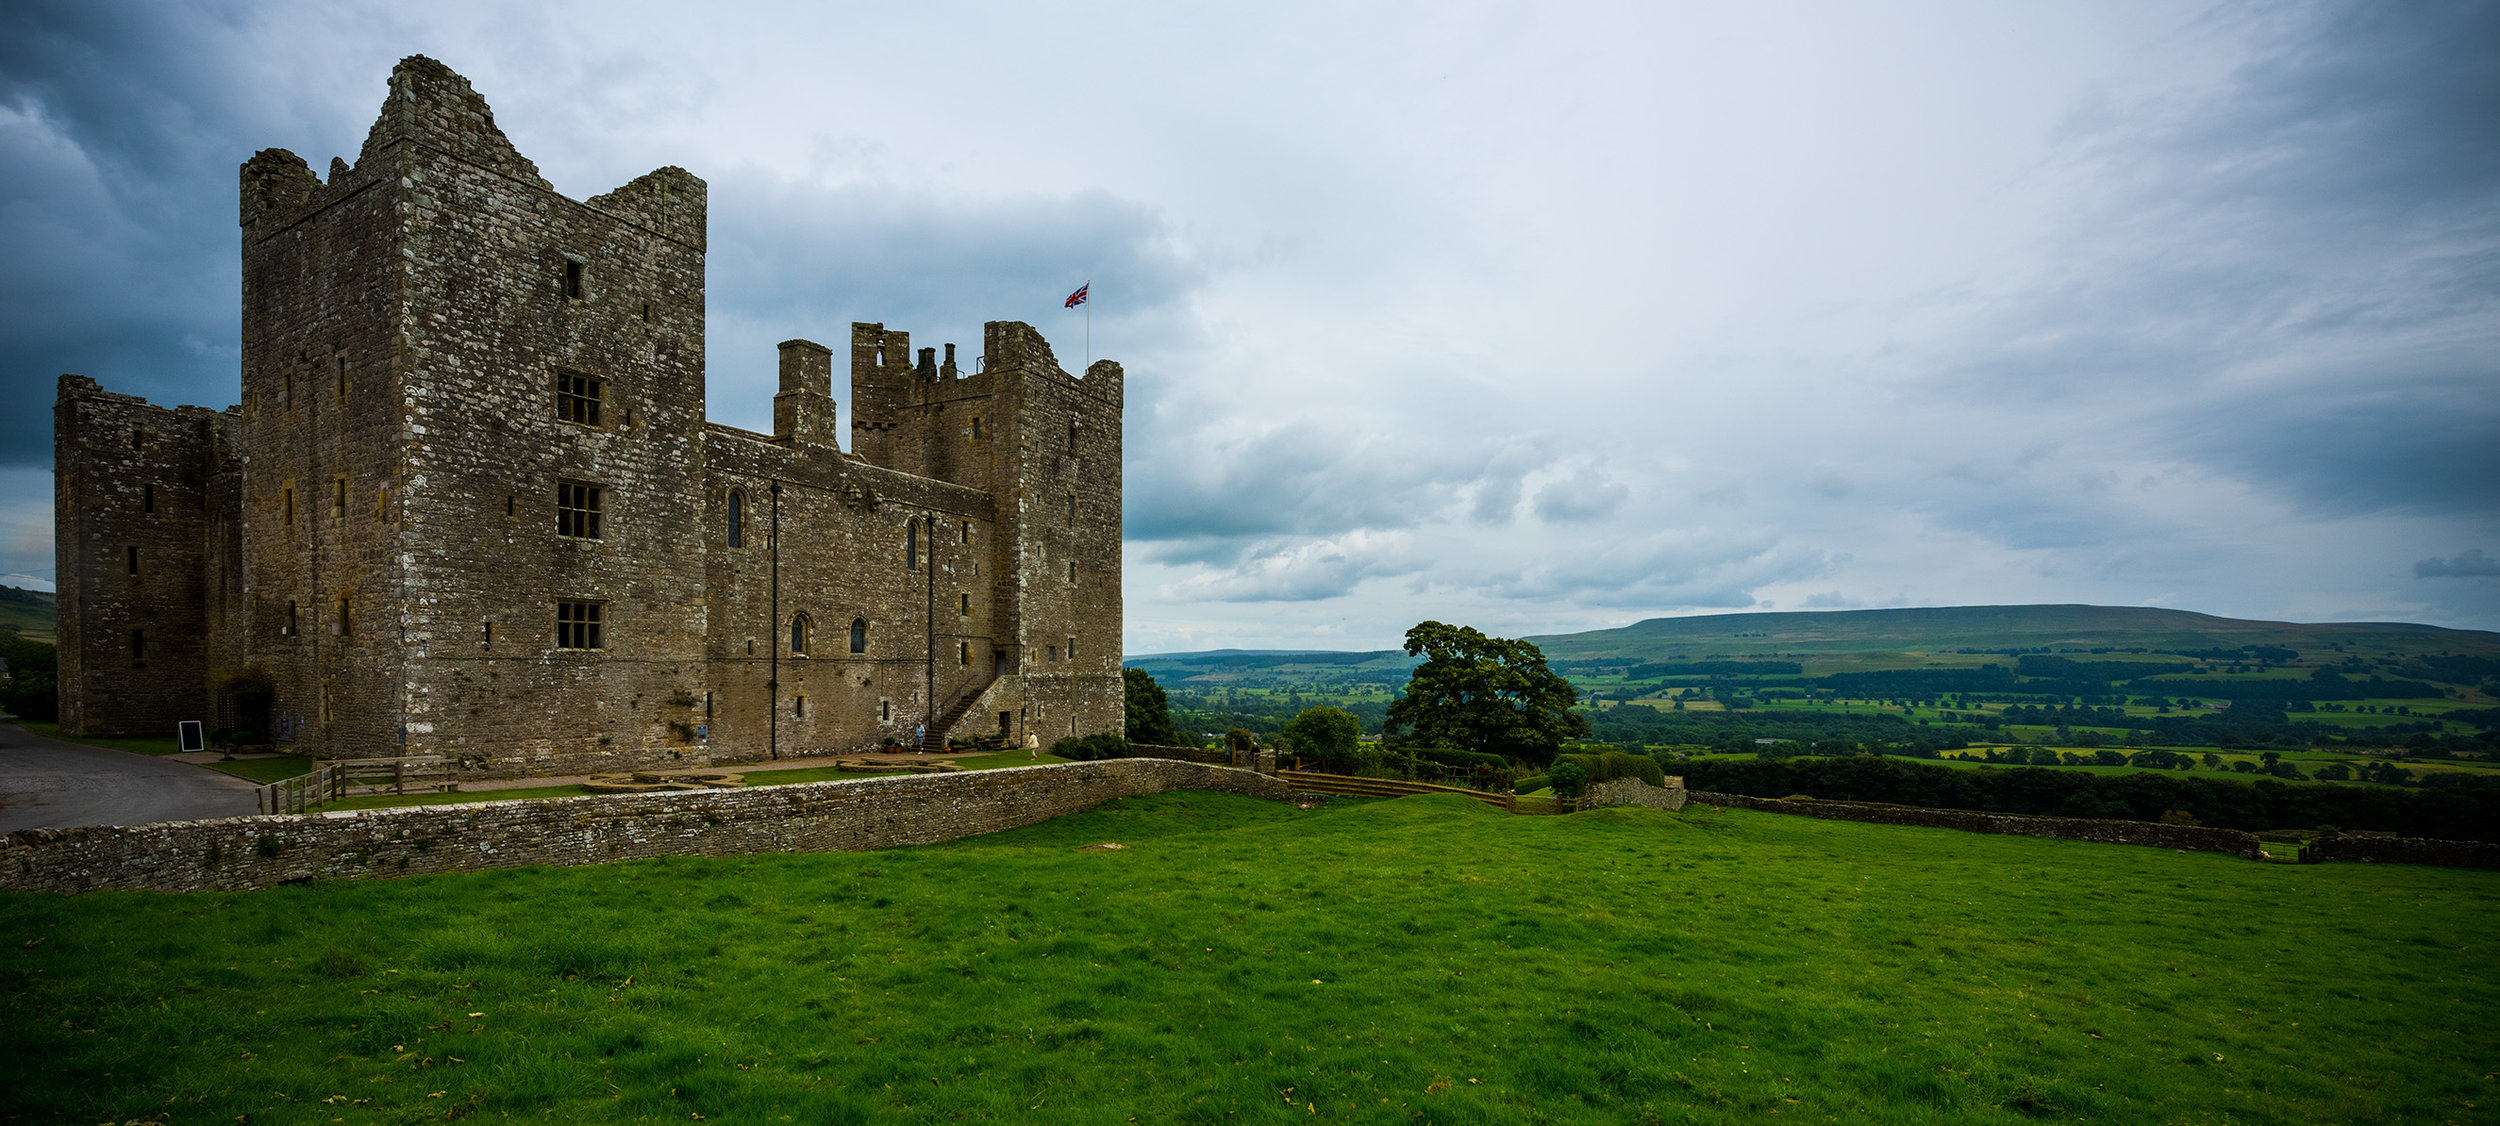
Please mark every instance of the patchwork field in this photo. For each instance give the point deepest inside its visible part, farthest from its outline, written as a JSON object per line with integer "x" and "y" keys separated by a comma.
{"x": 1418, "y": 960}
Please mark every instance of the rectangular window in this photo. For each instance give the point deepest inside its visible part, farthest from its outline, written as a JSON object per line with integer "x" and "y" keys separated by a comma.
{"x": 488, "y": 640}
{"x": 134, "y": 560}
{"x": 293, "y": 622}
{"x": 1071, "y": 648}
{"x": 138, "y": 645}
{"x": 798, "y": 707}
{"x": 911, "y": 546}
{"x": 963, "y": 653}
{"x": 976, "y": 428}
{"x": 147, "y": 498}
{"x": 286, "y": 389}
{"x": 1072, "y": 570}
{"x": 579, "y": 398}
{"x": 581, "y": 625}
{"x": 573, "y": 272}
{"x": 338, "y": 498}
{"x": 287, "y": 502}
{"x": 347, "y": 617}
{"x": 1054, "y": 652}
{"x": 577, "y": 509}
{"x": 966, "y": 604}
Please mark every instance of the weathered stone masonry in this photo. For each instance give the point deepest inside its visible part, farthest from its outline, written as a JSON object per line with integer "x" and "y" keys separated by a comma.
{"x": 473, "y": 420}
{"x": 238, "y": 853}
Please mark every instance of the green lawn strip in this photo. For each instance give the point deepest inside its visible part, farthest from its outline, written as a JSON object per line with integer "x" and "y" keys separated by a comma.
{"x": 263, "y": 769}
{"x": 166, "y": 745}
{"x": 1418, "y": 959}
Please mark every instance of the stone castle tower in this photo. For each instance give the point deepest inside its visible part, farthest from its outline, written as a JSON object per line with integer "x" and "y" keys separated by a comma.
{"x": 470, "y": 504}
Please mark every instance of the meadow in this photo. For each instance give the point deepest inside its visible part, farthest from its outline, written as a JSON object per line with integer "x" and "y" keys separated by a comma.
{"x": 1419, "y": 960}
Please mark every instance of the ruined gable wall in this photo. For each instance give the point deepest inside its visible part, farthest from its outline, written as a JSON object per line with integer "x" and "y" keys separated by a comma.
{"x": 131, "y": 477}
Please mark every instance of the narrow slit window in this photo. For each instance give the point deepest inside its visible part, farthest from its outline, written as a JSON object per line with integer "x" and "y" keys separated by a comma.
{"x": 573, "y": 272}
{"x": 578, "y": 505}
{"x": 338, "y": 497}
{"x": 737, "y": 518}
{"x": 487, "y": 640}
{"x": 342, "y": 393}
{"x": 138, "y": 441}
{"x": 967, "y": 531}
{"x": 1072, "y": 570}
{"x": 581, "y": 625}
{"x": 963, "y": 653}
{"x": 911, "y": 546}
{"x": 964, "y": 603}
{"x": 1072, "y": 508}
{"x": 134, "y": 560}
{"x": 976, "y": 428}
{"x": 286, "y": 502}
{"x": 138, "y": 645}
{"x": 286, "y": 389}
{"x": 1071, "y": 648}
{"x": 147, "y": 498}
{"x": 579, "y": 398}
{"x": 885, "y": 709}
{"x": 293, "y": 620}
{"x": 798, "y": 707}
{"x": 347, "y": 617}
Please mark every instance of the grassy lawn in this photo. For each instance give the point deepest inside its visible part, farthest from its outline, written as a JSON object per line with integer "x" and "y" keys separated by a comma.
{"x": 1424, "y": 959}
{"x": 263, "y": 769}
{"x": 164, "y": 745}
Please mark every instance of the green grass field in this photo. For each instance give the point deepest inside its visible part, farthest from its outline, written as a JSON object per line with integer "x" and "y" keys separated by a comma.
{"x": 1425, "y": 959}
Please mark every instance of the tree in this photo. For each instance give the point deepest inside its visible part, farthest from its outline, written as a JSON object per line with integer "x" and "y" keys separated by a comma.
{"x": 1330, "y": 735}
{"x": 1149, "y": 712}
{"x": 1480, "y": 693}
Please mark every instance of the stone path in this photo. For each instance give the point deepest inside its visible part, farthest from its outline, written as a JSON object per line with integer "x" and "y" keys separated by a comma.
{"x": 53, "y": 784}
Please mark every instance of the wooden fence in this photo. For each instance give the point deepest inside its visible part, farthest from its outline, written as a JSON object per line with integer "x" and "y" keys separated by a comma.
{"x": 291, "y": 795}
{"x": 1346, "y": 786}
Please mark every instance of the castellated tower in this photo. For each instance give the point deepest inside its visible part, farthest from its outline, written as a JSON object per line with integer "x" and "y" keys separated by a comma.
{"x": 470, "y": 505}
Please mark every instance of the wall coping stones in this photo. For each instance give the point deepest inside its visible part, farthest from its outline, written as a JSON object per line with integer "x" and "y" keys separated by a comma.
{"x": 239, "y": 853}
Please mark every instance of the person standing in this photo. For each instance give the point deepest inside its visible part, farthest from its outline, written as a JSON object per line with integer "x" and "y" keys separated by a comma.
{"x": 1032, "y": 745}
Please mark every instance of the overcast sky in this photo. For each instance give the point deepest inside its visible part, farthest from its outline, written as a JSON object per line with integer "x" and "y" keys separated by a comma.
{"x": 1537, "y": 317}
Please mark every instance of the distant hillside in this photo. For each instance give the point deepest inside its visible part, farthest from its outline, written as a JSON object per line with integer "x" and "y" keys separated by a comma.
{"x": 1951, "y": 629}
{"x": 30, "y": 612}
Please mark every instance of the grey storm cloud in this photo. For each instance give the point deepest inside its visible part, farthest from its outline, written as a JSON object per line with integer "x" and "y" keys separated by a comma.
{"x": 2469, "y": 564}
{"x": 1311, "y": 479}
{"x": 2302, "y": 273}
{"x": 1584, "y": 496}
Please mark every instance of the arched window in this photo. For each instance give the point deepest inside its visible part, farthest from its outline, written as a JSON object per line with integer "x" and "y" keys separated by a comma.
{"x": 800, "y": 628}
{"x": 737, "y": 518}
{"x": 859, "y": 635}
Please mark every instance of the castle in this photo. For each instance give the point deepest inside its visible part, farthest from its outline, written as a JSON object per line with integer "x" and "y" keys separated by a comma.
{"x": 470, "y": 505}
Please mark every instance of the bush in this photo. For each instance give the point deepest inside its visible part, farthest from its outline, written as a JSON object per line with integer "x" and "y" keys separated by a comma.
{"x": 1567, "y": 776}
{"x": 1464, "y": 760}
{"x": 1087, "y": 748}
{"x": 1332, "y": 737}
{"x": 1616, "y": 764}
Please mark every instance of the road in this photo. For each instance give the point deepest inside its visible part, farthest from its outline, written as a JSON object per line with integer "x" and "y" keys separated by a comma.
{"x": 49, "y": 784}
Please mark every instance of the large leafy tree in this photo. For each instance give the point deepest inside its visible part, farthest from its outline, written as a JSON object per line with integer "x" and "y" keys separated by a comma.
{"x": 1330, "y": 735}
{"x": 1480, "y": 693}
{"x": 1149, "y": 713}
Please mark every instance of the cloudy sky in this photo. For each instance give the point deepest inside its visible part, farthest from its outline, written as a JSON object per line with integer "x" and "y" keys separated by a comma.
{"x": 1538, "y": 317}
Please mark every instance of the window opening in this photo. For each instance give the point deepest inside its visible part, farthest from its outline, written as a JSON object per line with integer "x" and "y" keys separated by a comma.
{"x": 338, "y": 497}
{"x": 967, "y": 531}
{"x": 137, "y": 442}
{"x": 581, "y": 625}
{"x": 1072, "y": 570}
{"x": 885, "y": 709}
{"x": 798, "y": 635}
{"x": 737, "y": 518}
{"x": 487, "y": 641}
{"x": 347, "y": 617}
{"x": 798, "y": 707}
{"x": 134, "y": 560}
{"x": 577, "y": 509}
{"x": 911, "y": 546}
{"x": 579, "y": 397}
{"x": 859, "y": 635}
{"x": 963, "y": 653}
{"x": 342, "y": 379}
{"x": 286, "y": 389}
{"x": 572, "y": 280}
{"x": 966, "y": 604}
{"x": 1072, "y": 508}
{"x": 147, "y": 498}
{"x": 1072, "y": 437}
{"x": 1071, "y": 648}
{"x": 287, "y": 496}
{"x": 976, "y": 428}
{"x": 707, "y": 706}
{"x": 292, "y": 621}
{"x": 138, "y": 645}
{"x": 511, "y": 505}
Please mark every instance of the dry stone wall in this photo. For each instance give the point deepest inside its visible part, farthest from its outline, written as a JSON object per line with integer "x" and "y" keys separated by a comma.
{"x": 2190, "y": 837}
{"x": 2381, "y": 848}
{"x": 1634, "y": 791}
{"x": 237, "y": 853}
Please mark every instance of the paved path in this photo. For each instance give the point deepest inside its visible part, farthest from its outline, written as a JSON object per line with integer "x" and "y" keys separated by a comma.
{"x": 50, "y": 784}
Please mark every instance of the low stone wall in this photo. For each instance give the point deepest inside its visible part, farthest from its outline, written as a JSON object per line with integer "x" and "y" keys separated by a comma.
{"x": 2379, "y": 848}
{"x": 1634, "y": 791}
{"x": 255, "y": 852}
{"x": 2149, "y": 833}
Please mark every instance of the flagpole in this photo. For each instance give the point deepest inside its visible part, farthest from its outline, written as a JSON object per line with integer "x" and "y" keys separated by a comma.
{"x": 1089, "y": 324}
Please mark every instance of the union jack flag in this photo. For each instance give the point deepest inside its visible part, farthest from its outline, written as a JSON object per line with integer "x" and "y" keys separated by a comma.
{"x": 1077, "y": 298}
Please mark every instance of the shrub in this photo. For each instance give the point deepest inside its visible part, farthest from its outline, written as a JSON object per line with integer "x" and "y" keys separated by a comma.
{"x": 1567, "y": 776}
{"x": 1330, "y": 736}
{"x": 1616, "y": 764}
{"x": 1087, "y": 748}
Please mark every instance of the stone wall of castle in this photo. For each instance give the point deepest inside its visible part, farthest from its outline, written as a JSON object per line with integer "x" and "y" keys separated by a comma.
{"x": 255, "y": 852}
{"x": 473, "y": 419}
